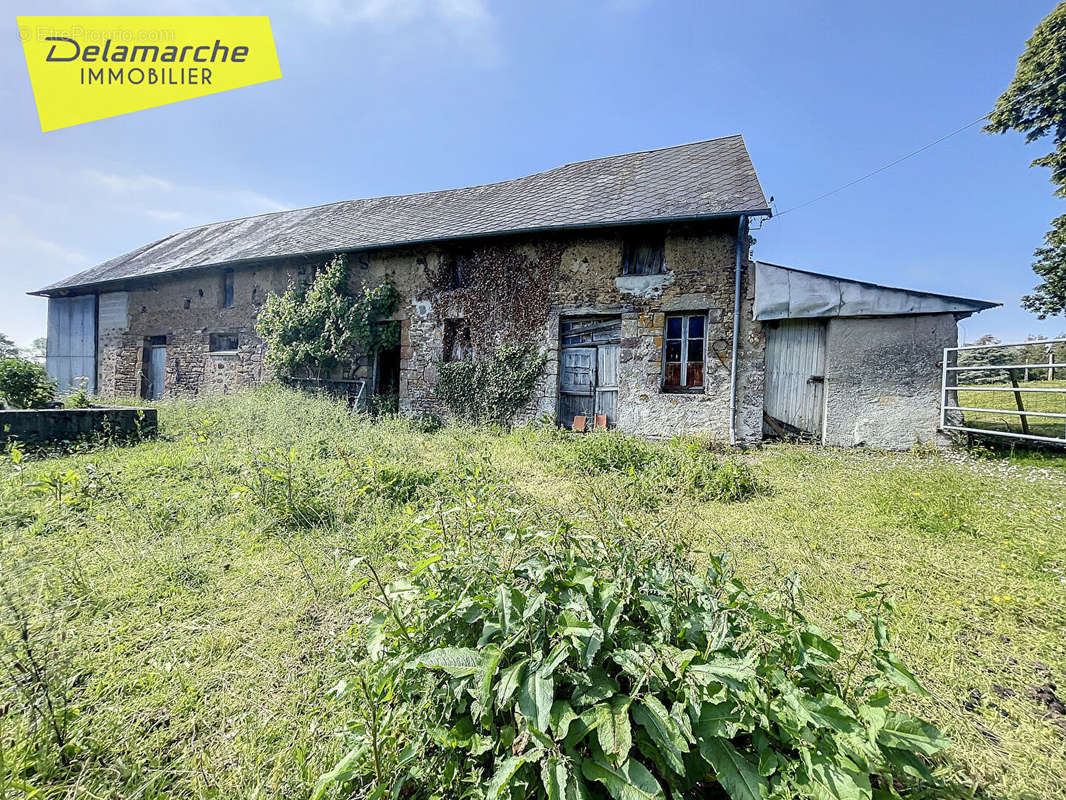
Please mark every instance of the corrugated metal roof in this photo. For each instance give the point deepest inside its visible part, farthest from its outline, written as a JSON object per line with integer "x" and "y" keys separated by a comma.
{"x": 789, "y": 293}
{"x": 703, "y": 179}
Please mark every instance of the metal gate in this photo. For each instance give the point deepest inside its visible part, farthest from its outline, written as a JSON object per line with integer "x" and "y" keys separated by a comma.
{"x": 588, "y": 368}
{"x": 795, "y": 373}
{"x": 1015, "y": 390}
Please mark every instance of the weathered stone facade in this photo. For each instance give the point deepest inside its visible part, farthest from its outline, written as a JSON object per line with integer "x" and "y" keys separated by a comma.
{"x": 575, "y": 274}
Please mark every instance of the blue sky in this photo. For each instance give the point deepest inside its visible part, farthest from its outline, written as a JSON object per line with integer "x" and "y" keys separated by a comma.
{"x": 396, "y": 96}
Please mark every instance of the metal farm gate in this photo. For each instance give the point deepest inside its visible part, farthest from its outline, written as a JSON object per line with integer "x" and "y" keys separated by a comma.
{"x": 999, "y": 390}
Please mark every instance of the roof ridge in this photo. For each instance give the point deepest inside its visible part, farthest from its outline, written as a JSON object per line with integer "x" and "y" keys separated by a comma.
{"x": 458, "y": 188}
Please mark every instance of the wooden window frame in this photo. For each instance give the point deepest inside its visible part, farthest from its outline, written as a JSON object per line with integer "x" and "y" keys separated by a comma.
{"x": 456, "y": 328}
{"x": 213, "y": 337}
{"x": 685, "y": 339}
{"x": 633, "y": 243}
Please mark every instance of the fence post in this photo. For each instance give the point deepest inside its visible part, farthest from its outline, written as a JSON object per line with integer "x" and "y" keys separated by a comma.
{"x": 1018, "y": 402}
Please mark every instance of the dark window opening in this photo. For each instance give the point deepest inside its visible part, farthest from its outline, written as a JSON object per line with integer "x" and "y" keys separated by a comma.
{"x": 223, "y": 342}
{"x": 683, "y": 352}
{"x": 227, "y": 289}
{"x": 454, "y": 270}
{"x": 457, "y": 346}
{"x": 155, "y": 341}
{"x": 644, "y": 256}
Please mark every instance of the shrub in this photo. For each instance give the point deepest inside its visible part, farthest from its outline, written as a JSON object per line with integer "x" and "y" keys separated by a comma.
{"x": 610, "y": 451}
{"x": 24, "y": 384}
{"x": 654, "y": 472}
{"x": 704, "y": 476}
{"x": 546, "y": 664}
{"x": 494, "y": 389}
{"x": 312, "y": 330}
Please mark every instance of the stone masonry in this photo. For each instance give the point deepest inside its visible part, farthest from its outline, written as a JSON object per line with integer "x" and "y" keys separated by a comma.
{"x": 186, "y": 308}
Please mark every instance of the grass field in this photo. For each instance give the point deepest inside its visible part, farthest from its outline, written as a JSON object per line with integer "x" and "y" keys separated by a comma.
{"x": 193, "y": 639}
{"x": 1054, "y": 402}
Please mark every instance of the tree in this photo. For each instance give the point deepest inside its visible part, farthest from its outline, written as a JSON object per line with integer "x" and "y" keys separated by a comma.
{"x": 38, "y": 350}
{"x": 1035, "y": 104}
{"x": 24, "y": 384}
{"x": 8, "y": 348}
{"x": 984, "y": 358}
{"x": 312, "y": 330}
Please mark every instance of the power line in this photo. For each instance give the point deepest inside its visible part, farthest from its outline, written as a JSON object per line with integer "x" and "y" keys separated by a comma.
{"x": 913, "y": 153}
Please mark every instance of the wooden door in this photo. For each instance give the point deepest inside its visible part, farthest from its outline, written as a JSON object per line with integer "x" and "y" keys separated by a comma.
{"x": 577, "y": 379}
{"x": 607, "y": 381}
{"x": 157, "y": 371}
{"x": 795, "y": 373}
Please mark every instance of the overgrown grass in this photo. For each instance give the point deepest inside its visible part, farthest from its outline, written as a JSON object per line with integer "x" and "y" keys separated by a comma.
{"x": 191, "y": 597}
{"x": 1054, "y": 402}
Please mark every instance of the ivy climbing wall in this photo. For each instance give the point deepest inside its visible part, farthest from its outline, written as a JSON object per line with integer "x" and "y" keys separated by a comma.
{"x": 507, "y": 290}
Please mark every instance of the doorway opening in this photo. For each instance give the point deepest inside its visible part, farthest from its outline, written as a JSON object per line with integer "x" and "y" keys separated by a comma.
{"x": 588, "y": 370}
{"x": 154, "y": 371}
{"x": 795, "y": 377}
{"x": 387, "y": 378}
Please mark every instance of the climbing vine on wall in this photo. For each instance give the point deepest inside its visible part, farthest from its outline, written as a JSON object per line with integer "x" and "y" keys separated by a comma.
{"x": 503, "y": 291}
{"x": 492, "y": 389}
{"x": 310, "y": 330}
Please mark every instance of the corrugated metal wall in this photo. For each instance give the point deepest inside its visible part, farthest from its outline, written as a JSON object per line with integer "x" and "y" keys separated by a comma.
{"x": 795, "y": 370}
{"x": 72, "y": 341}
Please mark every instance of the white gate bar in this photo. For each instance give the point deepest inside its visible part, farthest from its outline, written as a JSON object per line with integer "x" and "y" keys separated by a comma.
{"x": 1008, "y": 434}
{"x": 1008, "y": 411}
{"x": 1037, "y": 342}
{"x": 1045, "y": 365}
{"x": 1004, "y": 389}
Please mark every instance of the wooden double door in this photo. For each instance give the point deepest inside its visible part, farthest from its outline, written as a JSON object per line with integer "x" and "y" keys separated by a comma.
{"x": 588, "y": 368}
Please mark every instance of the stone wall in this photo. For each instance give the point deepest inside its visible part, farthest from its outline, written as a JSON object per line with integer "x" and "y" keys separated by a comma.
{"x": 882, "y": 379}
{"x": 573, "y": 274}
{"x": 70, "y": 424}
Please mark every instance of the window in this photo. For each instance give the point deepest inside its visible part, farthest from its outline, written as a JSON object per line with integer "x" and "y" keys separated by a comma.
{"x": 643, "y": 256}
{"x": 453, "y": 269}
{"x": 683, "y": 352}
{"x": 227, "y": 289}
{"x": 457, "y": 345}
{"x": 223, "y": 343}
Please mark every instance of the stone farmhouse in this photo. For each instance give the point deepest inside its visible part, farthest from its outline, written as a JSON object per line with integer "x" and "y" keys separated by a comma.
{"x": 633, "y": 273}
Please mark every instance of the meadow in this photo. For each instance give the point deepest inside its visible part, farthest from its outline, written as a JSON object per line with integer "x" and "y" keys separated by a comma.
{"x": 175, "y": 613}
{"x": 1053, "y": 402}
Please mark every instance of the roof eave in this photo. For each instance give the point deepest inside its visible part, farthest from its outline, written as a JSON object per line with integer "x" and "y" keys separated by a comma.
{"x": 58, "y": 290}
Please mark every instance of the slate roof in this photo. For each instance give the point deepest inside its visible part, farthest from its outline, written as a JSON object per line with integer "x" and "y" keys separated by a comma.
{"x": 690, "y": 181}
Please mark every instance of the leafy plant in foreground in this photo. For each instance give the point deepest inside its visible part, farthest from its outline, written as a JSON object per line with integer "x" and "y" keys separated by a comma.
{"x": 543, "y": 663}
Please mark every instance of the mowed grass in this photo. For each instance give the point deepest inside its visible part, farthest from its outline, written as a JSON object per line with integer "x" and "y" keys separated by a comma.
{"x": 1053, "y": 402}
{"x": 195, "y": 612}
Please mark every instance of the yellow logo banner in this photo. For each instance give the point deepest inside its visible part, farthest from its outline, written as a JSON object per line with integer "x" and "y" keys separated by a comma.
{"x": 88, "y": 68}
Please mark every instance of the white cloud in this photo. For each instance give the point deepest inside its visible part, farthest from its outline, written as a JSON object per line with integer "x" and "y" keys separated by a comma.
{"x": 465, "y": 24}
{"x": 20, "y": 239}
{"x": 176, "y": 203}
{"x": 127, "y": 184}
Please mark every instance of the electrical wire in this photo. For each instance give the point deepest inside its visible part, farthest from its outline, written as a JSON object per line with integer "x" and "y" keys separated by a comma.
{"x": 913, "y": 153}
